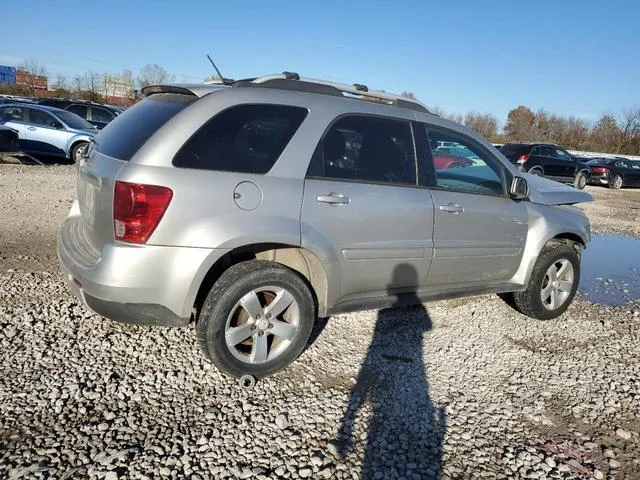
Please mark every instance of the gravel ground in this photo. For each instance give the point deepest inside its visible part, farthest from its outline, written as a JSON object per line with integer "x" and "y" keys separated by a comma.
{"x": 458, "y": 389}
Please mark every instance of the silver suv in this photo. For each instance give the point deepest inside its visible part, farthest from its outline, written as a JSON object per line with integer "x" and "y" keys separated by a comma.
{"x": 253, "y": 208}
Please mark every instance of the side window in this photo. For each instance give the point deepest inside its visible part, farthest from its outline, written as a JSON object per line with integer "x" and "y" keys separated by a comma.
{"x": 101, "y": 115}
{"x": 561, "y": 154}
{"x": 12, "y": 113}
{"x": 478, "y": 172}
{"x": 535, "y": 151}
{"x": 633, "y": 164}
{"x": 366, "y": 149}
{"x": 547, "y": 151}
{"x": 40, "y": 118}
{"x": 244, "y": 138}
{"x": 80, "y": 110}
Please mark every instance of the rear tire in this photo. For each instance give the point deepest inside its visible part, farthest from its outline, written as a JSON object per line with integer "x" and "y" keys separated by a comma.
{"x": 537, "y": 172}
{"x": 616, "y": 182}
{"x": 235, "y": 328}
{"x": 553, "y": 282}
{"x": 580, "y": 181}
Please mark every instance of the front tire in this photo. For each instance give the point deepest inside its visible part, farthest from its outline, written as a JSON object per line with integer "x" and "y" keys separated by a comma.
{"x": 553, "y": 282}
{"x": 616, "y": 182}
{"x": 256, "y": 319}
{"x": 78, "y": 150}
{"x": 580, "y": 181}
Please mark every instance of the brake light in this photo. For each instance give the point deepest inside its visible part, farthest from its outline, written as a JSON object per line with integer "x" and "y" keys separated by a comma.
{"x": 137, "y": 210}
{"x": 599, "y": 170}
{"x": 522, "y": 158}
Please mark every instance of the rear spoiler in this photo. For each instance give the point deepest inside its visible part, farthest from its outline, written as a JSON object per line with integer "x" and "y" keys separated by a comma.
{"x": 196, "y": 89}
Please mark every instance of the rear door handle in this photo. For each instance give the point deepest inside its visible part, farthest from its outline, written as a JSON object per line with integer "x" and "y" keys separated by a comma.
{"x": 31, "y": 128}
{"x": 334, "y": 199}
{"x": 452, "y": 208}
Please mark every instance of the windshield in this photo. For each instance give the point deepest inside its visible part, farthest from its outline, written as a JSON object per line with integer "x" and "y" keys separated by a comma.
{"x": 73, "y": 121}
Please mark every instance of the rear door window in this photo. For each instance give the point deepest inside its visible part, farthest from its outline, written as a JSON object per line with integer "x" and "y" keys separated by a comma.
{"x": 129, "y": 131}
{"x": 366, "y": 149}
{"x": 245, "y": 138}
{"x": 41, "y": 118}
{"x": 547, "y": 151}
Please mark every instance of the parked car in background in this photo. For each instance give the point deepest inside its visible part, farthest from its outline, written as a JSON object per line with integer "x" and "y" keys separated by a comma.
{"x": 616, "y": 172}
{"x": 8, "y": 139}
{"x": 455, "y": 156}
{"x": 237, "y": 208}
{"x": 47, "y": 130}
{"x": 548, "y": 160}
{"x": 97, "y": 114}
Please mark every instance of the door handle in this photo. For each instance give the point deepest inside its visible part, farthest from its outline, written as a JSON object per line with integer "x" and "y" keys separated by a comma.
{"x": 452, "y": 208}
{"x": 334, "y": 199}
{"x": 31, "y": 128}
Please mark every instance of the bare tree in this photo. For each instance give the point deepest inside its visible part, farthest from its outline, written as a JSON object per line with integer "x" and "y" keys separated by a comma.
{"x": 33, "y": 67}
{"x": 213, "y": 78}
{"x": 153, "y": 74}
{"x": 483, "y": 123}
{"x": 91, "y": 84}
{"x": 437, "y": 110}
{"x": 629, "y": 122}
{"x": 60, "y": 82}
{"x": 410, "y": 95}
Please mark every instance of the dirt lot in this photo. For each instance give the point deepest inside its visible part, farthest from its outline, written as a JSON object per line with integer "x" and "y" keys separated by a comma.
{"x": 454, "y": 389}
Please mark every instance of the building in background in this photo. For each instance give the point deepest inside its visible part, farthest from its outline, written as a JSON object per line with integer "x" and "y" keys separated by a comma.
{"x": 35, "y": 82}
{"x": 7, "y": 75}
{"x": 117, "y": 89}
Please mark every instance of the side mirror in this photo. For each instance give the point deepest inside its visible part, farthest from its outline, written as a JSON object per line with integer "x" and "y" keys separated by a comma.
{"x": 519, "y": 189}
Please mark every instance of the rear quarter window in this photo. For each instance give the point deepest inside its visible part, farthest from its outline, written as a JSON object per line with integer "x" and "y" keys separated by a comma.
{"x": 124, "y": 136}
{"x": 245, "y": 138}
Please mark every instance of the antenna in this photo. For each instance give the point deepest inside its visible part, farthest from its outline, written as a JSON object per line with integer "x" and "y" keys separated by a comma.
{"x": 225, "y": 81}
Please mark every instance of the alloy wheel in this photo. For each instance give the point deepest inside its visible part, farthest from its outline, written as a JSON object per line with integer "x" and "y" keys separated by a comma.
{"x": 557, "y": 284}
{"x": 262, "y": 324}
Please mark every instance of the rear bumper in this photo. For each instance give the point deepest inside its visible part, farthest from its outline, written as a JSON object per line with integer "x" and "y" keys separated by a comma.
{"x": 599, "y": 179}
{"x": 139, "y": 284}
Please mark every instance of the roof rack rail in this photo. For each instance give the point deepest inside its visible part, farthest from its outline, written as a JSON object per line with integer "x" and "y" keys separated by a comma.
{"x": 293, "y": 81}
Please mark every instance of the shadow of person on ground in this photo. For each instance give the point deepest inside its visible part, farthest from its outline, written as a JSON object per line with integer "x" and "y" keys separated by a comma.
{"x": 405, "y": 429}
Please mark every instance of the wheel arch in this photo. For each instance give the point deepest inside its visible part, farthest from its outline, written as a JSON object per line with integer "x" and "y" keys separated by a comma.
{"x": 75, "y": 141}
{"x": 299, "y": 259}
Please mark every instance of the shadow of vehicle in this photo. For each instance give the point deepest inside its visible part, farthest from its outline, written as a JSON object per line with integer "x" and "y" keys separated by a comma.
{"x": 405, "y": 429}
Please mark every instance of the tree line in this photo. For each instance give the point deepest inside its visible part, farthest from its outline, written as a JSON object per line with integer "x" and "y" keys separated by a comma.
{"x": 609, "y": 134}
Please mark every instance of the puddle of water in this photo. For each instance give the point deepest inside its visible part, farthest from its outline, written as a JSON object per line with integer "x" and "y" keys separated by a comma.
{"x": 610, "y": 270}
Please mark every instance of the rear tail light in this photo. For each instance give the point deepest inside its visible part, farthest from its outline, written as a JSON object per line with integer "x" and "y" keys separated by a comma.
{"x": 599, "y": 170}
{"x": 137, "y": 210}
{"x": 522, "y": 158}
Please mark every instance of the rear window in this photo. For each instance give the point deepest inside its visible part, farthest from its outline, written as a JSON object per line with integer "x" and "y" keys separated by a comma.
{"x": 511, "y": 149}
{"x": 245, "y": 138}
{"x": 124, "y": 136}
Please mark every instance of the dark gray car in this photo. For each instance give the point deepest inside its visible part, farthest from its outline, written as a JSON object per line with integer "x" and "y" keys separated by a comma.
{"x": 252, "y": 209}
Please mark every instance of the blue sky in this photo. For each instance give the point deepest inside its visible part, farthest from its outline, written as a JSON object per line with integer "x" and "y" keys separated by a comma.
{"x": 567, "y": 56}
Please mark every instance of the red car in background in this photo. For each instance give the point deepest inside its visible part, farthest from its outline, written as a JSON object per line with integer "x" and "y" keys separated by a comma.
{"x": 450, "y": 161}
